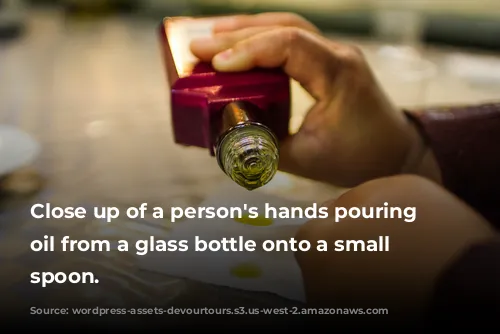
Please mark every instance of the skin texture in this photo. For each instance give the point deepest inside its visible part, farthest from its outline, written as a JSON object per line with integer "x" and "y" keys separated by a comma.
{"x": 353, "y": 133}
{"x": 353, "y": 136}
{"x": 403, "y": 278}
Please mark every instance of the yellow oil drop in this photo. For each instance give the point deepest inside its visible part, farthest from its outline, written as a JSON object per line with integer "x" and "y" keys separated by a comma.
{"x": 246, "y": 270}
{"x": 258, "y": 221}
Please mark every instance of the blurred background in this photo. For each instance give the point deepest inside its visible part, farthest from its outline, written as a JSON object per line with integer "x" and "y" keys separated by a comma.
{"x": 468, "y": 23}
{"x": 411, "y": 43}
{"x": 84, "y": 79}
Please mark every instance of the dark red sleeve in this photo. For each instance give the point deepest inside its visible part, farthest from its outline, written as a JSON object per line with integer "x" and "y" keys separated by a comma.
{"x": 466, "y": 144}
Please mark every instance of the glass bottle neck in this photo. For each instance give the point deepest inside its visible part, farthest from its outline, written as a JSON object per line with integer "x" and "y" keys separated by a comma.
{"x": 246, "y": 150}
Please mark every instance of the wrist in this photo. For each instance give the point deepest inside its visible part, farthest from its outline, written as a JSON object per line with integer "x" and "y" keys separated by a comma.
{"x": 420, "y": 159}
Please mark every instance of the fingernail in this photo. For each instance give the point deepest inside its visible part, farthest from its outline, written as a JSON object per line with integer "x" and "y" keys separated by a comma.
{"x": 231, "y": 60}
{"x": 224, "y": 56}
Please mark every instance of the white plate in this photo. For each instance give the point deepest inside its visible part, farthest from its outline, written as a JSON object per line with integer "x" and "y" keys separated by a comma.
{"x": 17, "y": 149}
{"x": 280, "y": 273}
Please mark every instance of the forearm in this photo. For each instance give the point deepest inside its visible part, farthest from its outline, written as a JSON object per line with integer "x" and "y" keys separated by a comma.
{"x": 464, "y": 146}
{"x": 461, "y": 150}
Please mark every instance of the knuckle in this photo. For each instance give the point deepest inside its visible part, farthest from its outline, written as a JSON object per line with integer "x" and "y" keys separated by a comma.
{"x": 291, "y": 34}
{"x": 293, "y": 19}
{"x": 352, "y": 55}
{"x": 226, "y": 37}
{"x": 356, "y": 50}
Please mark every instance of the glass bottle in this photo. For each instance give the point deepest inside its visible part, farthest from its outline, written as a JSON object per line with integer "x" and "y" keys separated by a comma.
{"x": 239, "y": 117}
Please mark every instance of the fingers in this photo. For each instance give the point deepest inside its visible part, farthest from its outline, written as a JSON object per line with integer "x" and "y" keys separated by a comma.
{"x": 230, "y": 29}
{"x": 305, "y": 57}
{"x": 309, "y": 58}
{"x": 371, "y": 276}
{"x": 205, "y": 49}
{"x": 262, "y": 20}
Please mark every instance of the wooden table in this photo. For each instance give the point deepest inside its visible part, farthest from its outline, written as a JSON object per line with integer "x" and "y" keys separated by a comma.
{"x": 94, "y": 94}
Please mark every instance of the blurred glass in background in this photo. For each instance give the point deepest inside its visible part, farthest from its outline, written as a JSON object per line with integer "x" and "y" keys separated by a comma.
{"x": 94, "y": 93}
{"x": 422, "y": 51}
{"x": 11, "y": 18}
{"x": 398, "y": 22}
{"x": 405, "y": 76}
{"x": 401, "y": 37}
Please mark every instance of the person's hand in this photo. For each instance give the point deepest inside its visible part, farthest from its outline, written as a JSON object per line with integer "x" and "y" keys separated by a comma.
{"x": 403, "y": 278}
{"x": 353, "y": 133}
